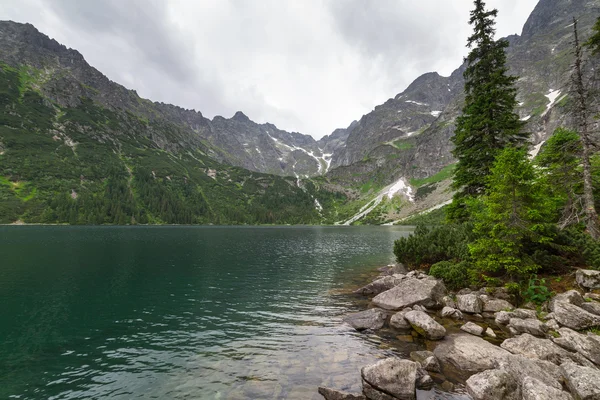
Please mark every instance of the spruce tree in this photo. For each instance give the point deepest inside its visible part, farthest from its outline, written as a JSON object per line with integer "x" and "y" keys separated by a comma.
{"x": 488, "y": 122}
{"x": 594, "y": 41}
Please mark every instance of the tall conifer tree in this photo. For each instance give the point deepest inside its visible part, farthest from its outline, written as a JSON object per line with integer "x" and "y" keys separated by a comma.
{"x": 488, "y": 122}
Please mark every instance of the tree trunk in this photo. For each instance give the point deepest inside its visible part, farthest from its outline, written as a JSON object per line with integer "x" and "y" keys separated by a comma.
{"x": 581, "y": 115}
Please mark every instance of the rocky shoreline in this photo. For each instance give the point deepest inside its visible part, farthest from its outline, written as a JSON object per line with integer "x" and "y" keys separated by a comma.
{"x": 480, "y": 341}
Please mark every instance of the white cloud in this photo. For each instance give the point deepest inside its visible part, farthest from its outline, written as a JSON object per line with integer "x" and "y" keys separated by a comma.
{"x": 304, "y": 65}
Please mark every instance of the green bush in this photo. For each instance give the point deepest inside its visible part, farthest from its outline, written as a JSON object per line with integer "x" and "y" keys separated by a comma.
{"x": 455, "y": 276}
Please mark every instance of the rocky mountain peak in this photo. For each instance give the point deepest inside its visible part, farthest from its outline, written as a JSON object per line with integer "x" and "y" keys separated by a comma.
{"x": 240, "y": 117}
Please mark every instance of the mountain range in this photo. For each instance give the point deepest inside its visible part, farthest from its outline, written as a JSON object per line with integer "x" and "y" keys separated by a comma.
{"x": 76, "y": 147}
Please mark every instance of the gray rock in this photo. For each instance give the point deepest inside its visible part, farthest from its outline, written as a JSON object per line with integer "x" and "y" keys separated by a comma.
{"x": 412, "y": 291}
{"x": 490, "y": 332}
{"x": 495, "y": 305}
{"x": 392, "y": 376}
{"x": 448, "y": 312}
{"x": 502, "y": 317}
{"x": 523, "y": 313}
{"x": 418, "y": 307}
{"x": 552, "y": 324}
{"x": 380, "y": 285}
{"x": 586, "y": 345}
{"x": 469, "y": 354}
{"x": 426, "y": 359}
{"x": 532, "y": 326}
{"x": 373, "y": 394}
{"x": 588, "y": 278}
{"x": 373, "y": 318}
{"x": 332, "y": 394}
{"x": 533, "y": 389}
{"x": 399, "y": 322}
{"x": 574, "y": 317}
{"x": 392, "y": 269}
{"x": 520, "y": 367}
{"x": 570, "y": 296}
{"x": 423, "y": 380}
{"x": 472, "y": 328}
{"x": 448, "y": 301}
{"x": 593, "y": 296}
{"x": 591, "y": 307}
{"x": 492, "y": 384}
{"x": 583, "y": 382}
{"x": 535, "y": 348}
{"x": 425, "y": 325}
{"x": 470, "y": 303}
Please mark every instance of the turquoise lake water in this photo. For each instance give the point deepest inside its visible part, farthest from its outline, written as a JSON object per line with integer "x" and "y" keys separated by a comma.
{"x": 183, "y": 312}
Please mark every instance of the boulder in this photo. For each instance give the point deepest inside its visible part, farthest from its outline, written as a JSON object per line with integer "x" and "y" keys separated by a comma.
{"x": 470, "y": 303}
{"x": 592, "y": 296}
{"x": 467, "y": 353}
{"x": 523, "y": 313}
{"x": 588, "y": 278}
{"x": 472, "y": 328}
{"x": 425, "y": 325}
{"x": 591, "y": 307}
{"x": 552, "y": 324}
{"x": 502, "y": 317}
{"x": 519, "y": 367}
{"x": 380, "y": 285}
{"x": 586, "y": 345}
{"x": 583, "y": 382}
{"x": 574, "y": 317}
{"x": 392, "y": 376}
{"x": 448, "y": 301}
{"x": 392, "y": 269}
{"x": 448, "y": 312}
{"x": 570, "y": 296}
{"x": 495, "y": 305}
{"x": 423, "y": 380}
{"x": 492, "y": 384}
{"x": 373, "y": 318}
{"x": 412, "y": 291}
{"x": 490, "y": 332}
{"x": 535, "y": 348}
{"x": 399, "y": 322}
{"x": 533, "y": 389}
{"x": 332, "y": 394}
{"x": 532, "y": 326}
{"x": 426, "y": 359}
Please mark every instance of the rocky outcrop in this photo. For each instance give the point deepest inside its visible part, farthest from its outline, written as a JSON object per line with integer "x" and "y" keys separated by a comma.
{"x": 425, "y": 325}
{"x": 588, "y": 278}
{"x": 369, "y": 319}
{"x": 410, "y": 292}
{"x": 583, "y": 382}
{"x": 391, "y": 378}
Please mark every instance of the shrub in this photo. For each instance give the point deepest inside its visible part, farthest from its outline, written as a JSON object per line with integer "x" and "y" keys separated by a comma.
{"x": 455, "y": 276}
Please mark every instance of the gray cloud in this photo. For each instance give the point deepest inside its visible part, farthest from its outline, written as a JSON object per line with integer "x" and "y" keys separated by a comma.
{"x": 304, "y": 65}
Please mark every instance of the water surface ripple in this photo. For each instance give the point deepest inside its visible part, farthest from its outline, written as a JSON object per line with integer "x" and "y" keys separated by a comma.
{"x": 183, "y": 312}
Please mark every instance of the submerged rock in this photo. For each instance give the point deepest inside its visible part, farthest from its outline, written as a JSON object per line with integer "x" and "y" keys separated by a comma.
{"x": 332, "y": 394}
{"x": 470, "y": 303}
{"x": 588, "y": 278}
{"x": 425, "y": 325}
{"x": 410, "y": 292}
{"x": 583, "y": 382}
{"x": 392, "y": 377}
{"x": 373, "y": 318}
{"x": 574, "y": 317}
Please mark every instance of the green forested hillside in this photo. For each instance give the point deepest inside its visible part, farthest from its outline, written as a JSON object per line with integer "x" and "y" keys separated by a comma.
{"x": 91, "y": 165}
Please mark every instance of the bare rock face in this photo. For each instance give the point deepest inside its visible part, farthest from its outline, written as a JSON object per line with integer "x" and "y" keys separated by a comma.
{"x": 588, "y": 278}
{"x": 373, "y": 318}
{"x": 532, "y": 326}
{"x": 470, "y": 303}
{"x": 380, "y": 285}
{"x": 583, "y": 382}
{"x": 425, "y": 325}
{"x": 332, "y": 394}
{"x": 586, "y": 345}
{"x": 574, "y": 317}
{"x": 535, "y": 348}
{"x": 492, "y": 384}
{"x": 472, "y": 328}
{"x": 391, "y": 378}
{"x": 533, "y": 389}
{"x": 410, "y": 292}
{"x": 468, "y": 353}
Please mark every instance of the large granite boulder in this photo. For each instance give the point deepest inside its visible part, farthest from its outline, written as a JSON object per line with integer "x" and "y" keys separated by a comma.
{"x": 583, "y": 382}
{"x": 532, "y": 326}
{"x": 410, "y": 292}
{"x": 373, "y": 318}
{"x": 332, "y": 394}
{"x": 574, "y": 317}
{"x": 492, "y": 384}
{"x": 520, "y": 367}
{"x": 588, "y": 278}
{"x": 380, "y": 285}
{"x": 536, "y": 348}
{"x": 533, "y": 389}
{"x": 425, "y": 325}
{"x": 570, "y": 296}
{"x": 391, "y": 378}
{"x": 467, "y": 353}
{"x": 586, "y": 345}
{"x": 470, "y": 303}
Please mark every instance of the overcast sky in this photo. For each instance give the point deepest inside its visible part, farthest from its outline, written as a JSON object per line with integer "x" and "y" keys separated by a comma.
{"x": 305, "y": 65}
